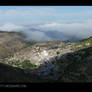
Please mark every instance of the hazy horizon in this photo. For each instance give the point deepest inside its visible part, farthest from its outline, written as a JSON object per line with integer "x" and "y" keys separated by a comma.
{"x": 48, "y": 23}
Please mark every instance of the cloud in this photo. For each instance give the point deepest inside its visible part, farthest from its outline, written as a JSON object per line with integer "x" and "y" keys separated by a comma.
{"x": 26, "y": 12}
{"x": 49, "y": 23}
{"x": 81, "y": 30}
{"x": 10, "y": 27}
{"x": 52, "y": 31}
{"x": 36, "y": 35}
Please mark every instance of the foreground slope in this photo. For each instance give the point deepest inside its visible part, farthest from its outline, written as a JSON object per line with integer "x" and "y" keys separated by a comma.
{"x": 9, "y": 74}
{"x": 44, "y": 61}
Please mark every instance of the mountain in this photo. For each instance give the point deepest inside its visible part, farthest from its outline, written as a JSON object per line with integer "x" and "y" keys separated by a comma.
{"x": 11, "y": 42}
{"x": 51, "y": 61}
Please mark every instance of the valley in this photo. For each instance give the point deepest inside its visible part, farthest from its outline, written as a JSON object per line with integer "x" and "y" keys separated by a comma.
{"x": 51, "y": 61}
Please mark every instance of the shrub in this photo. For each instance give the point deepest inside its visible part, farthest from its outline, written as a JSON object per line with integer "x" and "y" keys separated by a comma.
{"x": 26, "y": 64}
{"x": 58, "y": 52}
{"x": 16, "y": 63}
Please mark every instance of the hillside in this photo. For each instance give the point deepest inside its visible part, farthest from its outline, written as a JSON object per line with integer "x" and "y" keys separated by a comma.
{"x": 47, "y": 61}
{"x": 8, "y": 75}
{"x": 11, "y": 42}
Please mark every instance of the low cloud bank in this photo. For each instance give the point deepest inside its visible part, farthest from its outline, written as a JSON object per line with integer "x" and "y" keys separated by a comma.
{"x": 10, "y": 27}
{"x": 52, "y": 31}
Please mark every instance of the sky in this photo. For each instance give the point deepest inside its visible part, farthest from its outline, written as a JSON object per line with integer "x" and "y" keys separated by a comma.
{"x": 44, "y": 13}
{"x": 43, "y": 22}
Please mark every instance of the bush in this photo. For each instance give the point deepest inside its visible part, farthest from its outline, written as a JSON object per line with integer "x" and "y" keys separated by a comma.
{"x": 32, "y": 42}
{"x": 58, "y": 52}
{"x": 26, "y": 64}
{"x": 16, "y": 63}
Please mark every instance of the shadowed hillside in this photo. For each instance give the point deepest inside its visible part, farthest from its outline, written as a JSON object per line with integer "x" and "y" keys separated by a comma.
{"x": 72, "y": 67}
{"x": 9, "y": 74}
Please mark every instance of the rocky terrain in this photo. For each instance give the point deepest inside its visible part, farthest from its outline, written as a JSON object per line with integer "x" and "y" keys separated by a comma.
{"x": 44, "y": 61}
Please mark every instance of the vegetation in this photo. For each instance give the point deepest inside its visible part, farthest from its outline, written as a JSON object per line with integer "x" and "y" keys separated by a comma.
{"x": 30, "y": 43}
{"x": 26, "y": 64}
{"x": 82, "y": 44}
{"x": 58, "y": 52}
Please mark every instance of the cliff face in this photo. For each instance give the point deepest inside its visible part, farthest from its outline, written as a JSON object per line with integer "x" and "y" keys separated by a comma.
{"x": 50, "y": 61}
